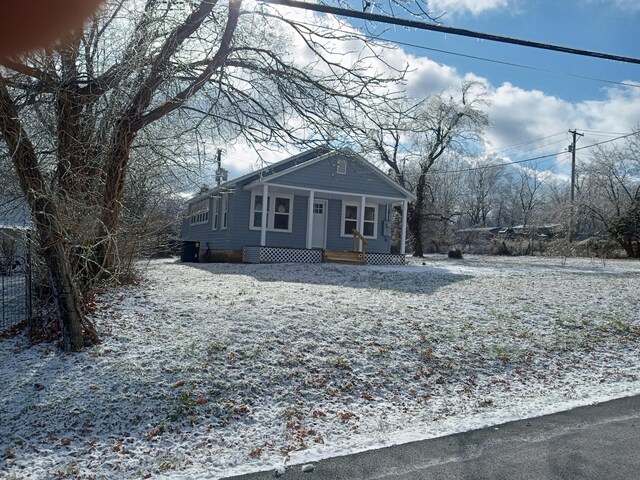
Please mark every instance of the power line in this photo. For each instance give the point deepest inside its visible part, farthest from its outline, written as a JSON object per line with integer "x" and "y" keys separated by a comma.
{"x": 510, "y": 64}
{"x": 505, "y": 151}
{"x": 420, "y": 25}
{"x": 541, "y": 157}
{"x": 496, "y": 165}
{"x": 508, "y": 147}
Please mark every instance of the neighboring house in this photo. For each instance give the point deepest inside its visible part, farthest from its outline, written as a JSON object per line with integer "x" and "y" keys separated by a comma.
{"x": 302, "y": 209}
{"x": 15, "y": 224}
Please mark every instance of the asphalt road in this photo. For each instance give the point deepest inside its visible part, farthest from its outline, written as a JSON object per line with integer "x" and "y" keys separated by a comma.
{"x": 594, "y": 442}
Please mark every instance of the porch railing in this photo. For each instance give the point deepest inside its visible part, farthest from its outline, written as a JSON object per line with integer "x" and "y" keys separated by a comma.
{"x": 358, "y": 236}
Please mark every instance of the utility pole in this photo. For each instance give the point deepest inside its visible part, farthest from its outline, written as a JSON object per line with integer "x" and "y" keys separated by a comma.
{"x": 572, "y": 149}
{"x": 221, "y": 173}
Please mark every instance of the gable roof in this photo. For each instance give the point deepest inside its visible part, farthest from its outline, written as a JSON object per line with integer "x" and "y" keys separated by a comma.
{"x": 291, "y": 164}
{"x": 347, "y": 153}
{"x": 14, "y": 214}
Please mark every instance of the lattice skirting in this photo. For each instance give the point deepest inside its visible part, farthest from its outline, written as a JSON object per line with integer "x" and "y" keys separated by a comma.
{"x": 384, "y": 259}
{"x": 280, "y": 255}
{"x": 302, "y": 255}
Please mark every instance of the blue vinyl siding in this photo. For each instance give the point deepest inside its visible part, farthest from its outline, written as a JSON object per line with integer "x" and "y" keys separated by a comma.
{"x": 335, "y": 241}
{"x": 243, "y": 235}
{"x": 360, "y": 179}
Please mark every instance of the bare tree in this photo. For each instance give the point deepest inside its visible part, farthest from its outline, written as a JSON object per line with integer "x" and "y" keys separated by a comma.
{"x": 409, "y": 136}
{"x": 528, "y": 193}
{"x": 71, "y": 117}
{"x": 612, "y": 192}
{"x": 482, "y": 181}
{"x": 447, "y": 123}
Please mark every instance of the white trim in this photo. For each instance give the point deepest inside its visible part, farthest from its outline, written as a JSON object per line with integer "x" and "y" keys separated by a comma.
{"x": 336, "y": 193}
{"x": 310, "y": 219}
{"x": 215, "y": 213}
{"x": 363, "y": 204}
{"x": 225, "y": 211}
{"x": 403, "y": 232}
{"x": 360, "y": 218}
{"x": 265, "y": 214}
{"x": 268, "y": 221}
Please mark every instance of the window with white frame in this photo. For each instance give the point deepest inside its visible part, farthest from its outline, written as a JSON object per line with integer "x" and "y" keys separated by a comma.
{"x": 214, "y": 214}
{"x": 278, "y": 208}
{"x": 350, "y": 220}
{"x": 200, "y": 212}
{"x": 225, "y": 210}
{"x": 342, "y": 166}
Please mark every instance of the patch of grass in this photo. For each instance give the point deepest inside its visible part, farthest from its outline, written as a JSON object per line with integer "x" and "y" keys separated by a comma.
{"x": 185, "y": 404}
{"x": 216, "y": 347}
{"x": 167, "y": 464}
{"x": 621, "y": 326}
{"x": 339, "y": 362}
{"x": 427, "y": 354}
{"x": 70, "y": 471}
{"x": 291, "y": 412}
{"x": 568, "y": 322}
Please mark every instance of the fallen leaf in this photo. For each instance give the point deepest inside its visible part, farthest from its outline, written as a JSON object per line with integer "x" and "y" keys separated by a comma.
{"x": 255, "y": 453}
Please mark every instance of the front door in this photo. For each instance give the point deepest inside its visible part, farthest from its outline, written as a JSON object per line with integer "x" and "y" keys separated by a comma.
{"x": 318, "y": 239}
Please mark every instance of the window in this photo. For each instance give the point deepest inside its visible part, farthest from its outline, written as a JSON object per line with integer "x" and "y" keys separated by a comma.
{"x": 257, "y": 211}
{"x": 282, "y": 213}
{"x": 278, "y": 210}
{"x": 214, "y": 225}
{"x": 342, "y": 166}
{"x": 369, "y": 227}
{"x": 200, "y": 212}
{"x": 350, "y": 220}
{"x": 225, "y": 210}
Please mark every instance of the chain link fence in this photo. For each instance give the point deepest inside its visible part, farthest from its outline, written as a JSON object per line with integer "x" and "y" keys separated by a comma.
{"x": 15, "y": 291}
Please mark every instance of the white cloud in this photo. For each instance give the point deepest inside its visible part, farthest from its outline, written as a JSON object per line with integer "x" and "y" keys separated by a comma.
{"x": 474, "y": 7}
{"x": 519, "y": 116}
{"x": 618, "y": 112}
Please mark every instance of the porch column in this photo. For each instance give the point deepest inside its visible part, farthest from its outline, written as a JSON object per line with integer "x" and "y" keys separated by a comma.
{"x": 403, "y": 231}
{"x": 361, "y": 222}
{"x": 263, "y": 226}
{"x": 310, "y": 219}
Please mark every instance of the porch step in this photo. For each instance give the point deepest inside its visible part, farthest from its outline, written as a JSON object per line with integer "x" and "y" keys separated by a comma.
{"x": 331, "y": 256}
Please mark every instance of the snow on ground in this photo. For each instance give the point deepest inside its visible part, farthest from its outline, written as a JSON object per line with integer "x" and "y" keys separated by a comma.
{"x": 209, "y": 370}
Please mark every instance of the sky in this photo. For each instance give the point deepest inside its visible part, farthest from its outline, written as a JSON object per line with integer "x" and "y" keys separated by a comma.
{"x": 532, "y": 107}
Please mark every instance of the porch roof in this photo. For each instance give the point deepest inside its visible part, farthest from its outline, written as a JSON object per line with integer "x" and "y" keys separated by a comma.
{"x": 284, "y": 188}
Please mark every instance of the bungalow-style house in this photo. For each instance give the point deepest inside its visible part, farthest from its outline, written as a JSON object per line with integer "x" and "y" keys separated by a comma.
{"x": 15, "y": 224}
{"x": 320, "y": 205}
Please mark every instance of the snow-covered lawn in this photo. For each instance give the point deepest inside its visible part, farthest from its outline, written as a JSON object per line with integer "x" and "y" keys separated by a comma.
{"x": 210, "y": 370}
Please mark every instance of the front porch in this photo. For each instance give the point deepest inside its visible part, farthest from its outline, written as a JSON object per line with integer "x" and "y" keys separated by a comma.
{"x": 304, "y": 218}
{"x": 260, "y": 254}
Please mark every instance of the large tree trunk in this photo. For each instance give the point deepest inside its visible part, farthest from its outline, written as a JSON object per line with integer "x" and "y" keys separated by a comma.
{"x": 414, "y": 219}
{"x": 45, "y": 214}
